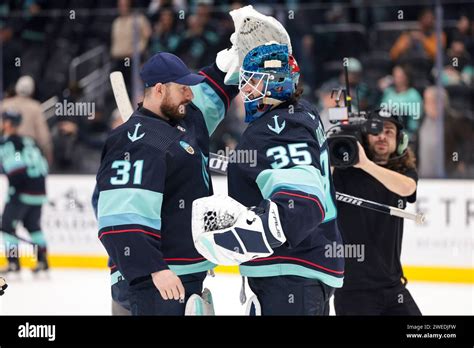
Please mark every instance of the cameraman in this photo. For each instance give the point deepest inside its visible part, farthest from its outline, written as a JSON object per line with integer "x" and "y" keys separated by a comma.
{"x": 385, "y": 173}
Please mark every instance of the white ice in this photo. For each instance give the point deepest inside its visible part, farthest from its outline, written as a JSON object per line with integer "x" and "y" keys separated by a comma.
{"x": 87, "y": 292}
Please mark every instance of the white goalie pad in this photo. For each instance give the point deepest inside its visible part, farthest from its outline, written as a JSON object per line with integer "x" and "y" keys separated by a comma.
{"x": 253, "y": 307}
{"x": 200, "y": 305}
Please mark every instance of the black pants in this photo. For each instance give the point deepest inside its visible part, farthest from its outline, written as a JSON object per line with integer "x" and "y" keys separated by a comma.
{"x": 14, "y": 212}
{"x": 395, "y": 300}
{"x": 291, "y": 295}
{"x": 145, "y": 299}
{"x": 30, "y": 216}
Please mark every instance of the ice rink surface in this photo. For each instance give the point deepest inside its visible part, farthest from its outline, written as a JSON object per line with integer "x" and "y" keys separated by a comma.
{"x": 87, "y": 292}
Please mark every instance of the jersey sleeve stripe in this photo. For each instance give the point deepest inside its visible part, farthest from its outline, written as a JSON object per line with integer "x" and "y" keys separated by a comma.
{"x": 217, "y": 86}
{"x": 298, "y": 187}
{"x": 142, "y": 202}
{"x": 271, "y": 180}
{"x": 210, "y": 104}
{"x": 12, "y": 169}
{"x": 132, "y": 230}
{"x": 184, "y": 259}
{"x": 298, "y": 260}
{"x": 128, "y": 219}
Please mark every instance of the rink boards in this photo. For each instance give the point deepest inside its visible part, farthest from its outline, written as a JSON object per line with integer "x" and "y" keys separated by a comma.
{"x": 440, "y": 250}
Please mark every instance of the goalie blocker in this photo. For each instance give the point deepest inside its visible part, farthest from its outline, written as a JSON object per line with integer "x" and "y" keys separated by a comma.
{"x": 227, "y": 233}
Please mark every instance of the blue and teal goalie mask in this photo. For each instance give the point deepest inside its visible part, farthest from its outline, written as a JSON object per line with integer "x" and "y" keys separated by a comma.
{"x": 268, "y": 76}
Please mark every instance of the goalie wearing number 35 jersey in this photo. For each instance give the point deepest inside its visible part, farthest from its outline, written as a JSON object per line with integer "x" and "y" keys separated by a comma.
{"x": 292, "y": 170}
{"x": 279, "y": 223}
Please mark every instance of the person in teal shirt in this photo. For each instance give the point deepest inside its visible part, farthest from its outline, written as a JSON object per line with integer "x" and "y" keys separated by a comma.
{"x": 403, "y": 100}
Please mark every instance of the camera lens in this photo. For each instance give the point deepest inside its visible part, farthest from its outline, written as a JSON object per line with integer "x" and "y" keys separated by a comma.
{"x": 343, "y": 150}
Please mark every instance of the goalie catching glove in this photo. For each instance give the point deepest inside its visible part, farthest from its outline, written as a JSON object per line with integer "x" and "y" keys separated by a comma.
{"x": 227, "y": 233}
{"x": 252, "y": 29}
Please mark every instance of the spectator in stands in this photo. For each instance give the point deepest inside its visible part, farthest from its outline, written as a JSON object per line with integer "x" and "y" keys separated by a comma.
{"x": 362, "y": 98}
{"x": 458, "y": 134}
{"x": 465, "y": 32}
{"x": 458, "y": 69}
{"x": 204, "y": 10}
{"x": 165, "y": 35}
{"x": 34, "y": 123}
{"x": 33, "y": 37}
{"x": 420, "y": 42}
{"x": 115, "y": 119}
{"x": 155, "y": 7}
{"x": 325, "y": 101}
{"x": 9, "y": 27}
{"x": 64, "y": 130}
{"x": 123, "y": 43}
{"x": 402, "y": 99}
{"x": 91, "y": 138}
{"x": 198, "y": 46}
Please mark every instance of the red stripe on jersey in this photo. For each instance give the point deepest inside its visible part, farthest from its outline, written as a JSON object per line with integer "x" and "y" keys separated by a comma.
{"x": 301, "y": 196}
{"x": 130, "y": 230}
{"x": 296, "y": 259}
{"x": 218, "y": 87}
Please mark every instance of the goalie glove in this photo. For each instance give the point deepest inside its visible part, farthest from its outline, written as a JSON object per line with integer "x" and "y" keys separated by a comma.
{"x": 227, "y": 233}
{"x": 252, "y": 29}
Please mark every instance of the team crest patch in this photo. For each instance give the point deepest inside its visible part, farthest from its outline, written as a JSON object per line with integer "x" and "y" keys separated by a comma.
{"x": 188, "y": 148}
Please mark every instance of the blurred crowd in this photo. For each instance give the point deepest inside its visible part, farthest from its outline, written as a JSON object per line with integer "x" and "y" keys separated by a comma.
{"x": 390, "y": 52}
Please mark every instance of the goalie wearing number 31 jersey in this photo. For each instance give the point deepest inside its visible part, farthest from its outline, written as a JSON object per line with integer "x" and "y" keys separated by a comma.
{"x": 153, "y": 167}
{"x": 293, "y": 172}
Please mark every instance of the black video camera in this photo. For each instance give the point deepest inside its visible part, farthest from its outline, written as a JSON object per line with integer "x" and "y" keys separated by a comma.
{"x": 348, "y": 129}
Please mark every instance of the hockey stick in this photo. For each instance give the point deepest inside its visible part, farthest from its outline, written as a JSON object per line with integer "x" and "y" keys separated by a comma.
{"x": 381, "y": 208}
{"x": 24, "y": 240}
{"x": 218, "y": 163}
{"x": 121, "y": 95}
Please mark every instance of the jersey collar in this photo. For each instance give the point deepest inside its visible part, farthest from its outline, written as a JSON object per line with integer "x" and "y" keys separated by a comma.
{"x": 146, "y": 112}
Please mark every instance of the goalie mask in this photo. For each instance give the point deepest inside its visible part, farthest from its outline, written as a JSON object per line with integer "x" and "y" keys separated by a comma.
{"x": 268, "y": 76}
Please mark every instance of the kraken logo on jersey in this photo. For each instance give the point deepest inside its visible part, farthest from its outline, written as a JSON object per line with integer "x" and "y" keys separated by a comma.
{"x": 189, "y": 149}
{"x": 134, "y": 137}
{"x": 277, "y": 128}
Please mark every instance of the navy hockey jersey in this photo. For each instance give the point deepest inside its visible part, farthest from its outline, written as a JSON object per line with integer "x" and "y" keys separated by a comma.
{"x": 151, "y": 172}
{"x": 292, "y": 169}
{"x": 26, "y": 169}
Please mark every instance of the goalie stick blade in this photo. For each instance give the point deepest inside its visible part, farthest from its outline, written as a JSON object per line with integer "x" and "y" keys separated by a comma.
{"x": 121, "y": 95}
